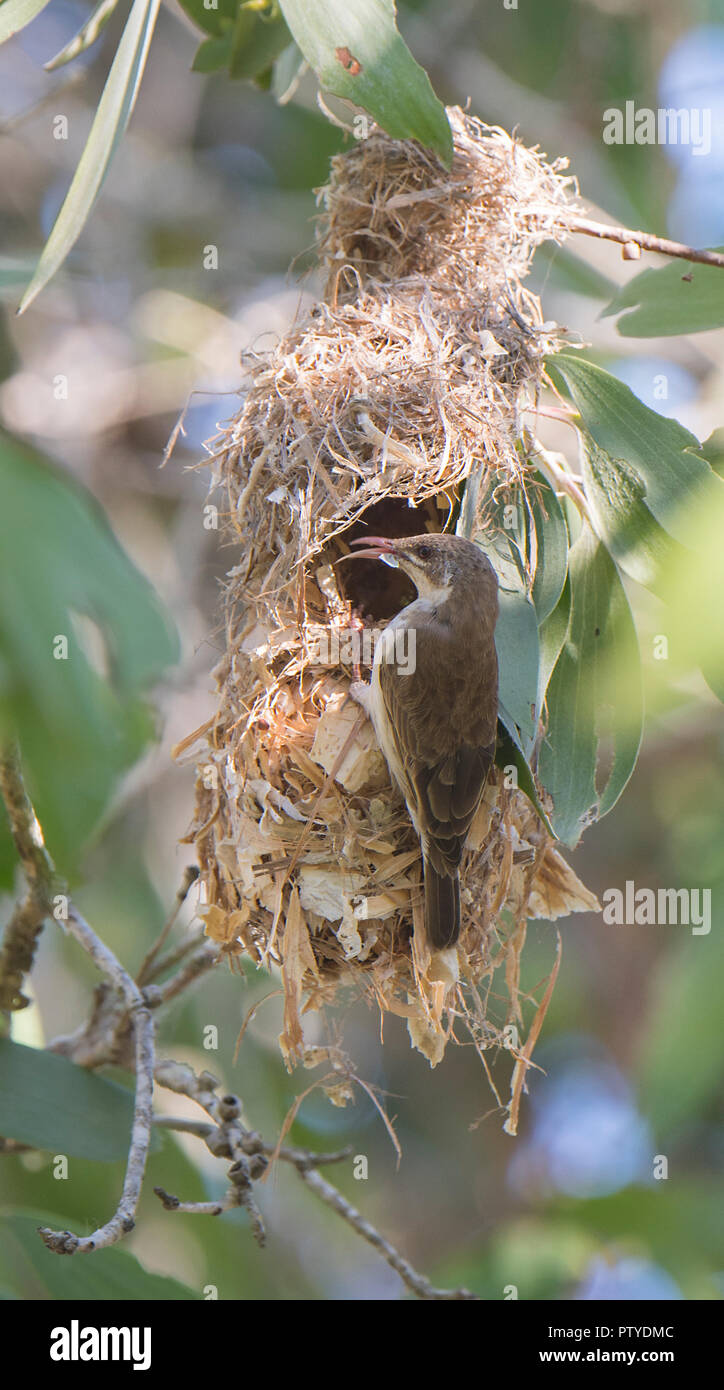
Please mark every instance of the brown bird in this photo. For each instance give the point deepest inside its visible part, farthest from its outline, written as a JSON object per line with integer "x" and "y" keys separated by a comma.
{"x": 433, "y": 701}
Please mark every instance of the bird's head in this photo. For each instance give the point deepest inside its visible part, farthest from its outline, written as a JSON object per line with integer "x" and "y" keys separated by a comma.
{"x": 436, "y": 564}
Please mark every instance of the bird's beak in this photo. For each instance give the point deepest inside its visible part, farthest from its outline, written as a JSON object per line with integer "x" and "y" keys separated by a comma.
{"x": 380, "y": 548}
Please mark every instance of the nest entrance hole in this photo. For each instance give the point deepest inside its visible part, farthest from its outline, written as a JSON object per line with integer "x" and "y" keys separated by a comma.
{"x": 375, "y": 591}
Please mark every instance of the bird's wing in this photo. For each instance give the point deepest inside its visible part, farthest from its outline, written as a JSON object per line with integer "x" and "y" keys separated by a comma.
{"x": 442, "y": 720}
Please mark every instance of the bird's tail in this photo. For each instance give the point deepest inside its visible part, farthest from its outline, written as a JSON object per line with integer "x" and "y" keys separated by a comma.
{"x": 442, "y": 907}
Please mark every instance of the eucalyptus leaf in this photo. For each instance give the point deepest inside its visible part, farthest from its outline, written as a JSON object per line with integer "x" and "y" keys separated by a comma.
{"x": 551, "y": 548}
{"x": 257, "y": 42}
{"x": 595, "y": 707}
{"x": 616, "y": 495}
{"x": 107, "y": 1276}
{"x": 109, "y": 124}
{"x": 516, "y": 641}
{"x": 359, "y": 55}
{"x": 288, "y": 70}
{"x": 665, "y": 457}
{"x": 215, "y": 19}
{"x": 89, "y": 31}
{"x": 568, "y": 271}
{"x": 49, "y": 1102}
{"x": 551, "y": 636}
{"x": 15, "y": 14}
{"x": 82, "y": 636}
{"x": 213, "y": 54}
{"x": 509, "y": 753}
{"x": 679, "y": 298}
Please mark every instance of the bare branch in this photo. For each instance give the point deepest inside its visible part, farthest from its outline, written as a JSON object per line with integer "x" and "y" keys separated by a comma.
{"x": 645, "y": 240}
{"x": 251, "y": 1161}
{"x": 173, "y": 958}
{"x": 146, "y": 971}
{"x": 414, "y": 1281}
{"x": 123, "y": 1219}
{"x": 189, "y": 973}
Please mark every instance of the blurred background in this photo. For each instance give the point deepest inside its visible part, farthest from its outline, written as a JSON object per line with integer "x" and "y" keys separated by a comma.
{"x": 631, "y": 1052}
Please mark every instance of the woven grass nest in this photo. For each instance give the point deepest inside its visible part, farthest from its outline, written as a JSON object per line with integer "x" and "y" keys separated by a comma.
{"x": 373, "y": 411}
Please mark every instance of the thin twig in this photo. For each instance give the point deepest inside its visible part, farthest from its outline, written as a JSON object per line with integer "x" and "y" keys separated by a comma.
{"x": 251, "y": 1154}
{"x": 123, "y": 1219}
{"x": 416, "y": 1282}
{"x": 199, "y": 1128}
{"x": 145, "y": 972}
{"x": 179, "y": 953}
{"x": 190, "y": 972}
{"x": 26, "y": 923}
{"x": 626, "y": 236}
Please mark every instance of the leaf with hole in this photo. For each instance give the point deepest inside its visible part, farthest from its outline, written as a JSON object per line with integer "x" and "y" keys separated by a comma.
{"x": 358, "y": 54}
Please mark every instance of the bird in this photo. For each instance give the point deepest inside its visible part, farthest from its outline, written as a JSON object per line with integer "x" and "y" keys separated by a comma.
{"x": 435, "y": 714}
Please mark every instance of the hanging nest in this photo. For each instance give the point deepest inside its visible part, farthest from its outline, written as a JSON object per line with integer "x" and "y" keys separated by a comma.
{"x": 371, "y": 414}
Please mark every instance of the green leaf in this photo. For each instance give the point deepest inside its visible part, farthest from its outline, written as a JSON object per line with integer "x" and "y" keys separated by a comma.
{"x": 257, "y": 43}
{"x": 567, "y": 271}
{"x": 63, "y": 574}
{"x": 713, "y": 451}
{"x": 516, "y": 641}
{"x": 109, "y": 124}
{"x": 86, "y": 36}
{"x": 49, "y": 1102}
{"x": 15, "y": 14}
{"x": 509, "y": 753}
{"x": 359, "y": 55}
{"x": 680, "y": 298}
{"x": 213, "y": 54}
{"x": 552, "y": 634}
{"x": 288, "y": 70}
{"x": 215, "y": 20}
{"x": 551, "y": 548}
{"x": 107, "y": 1276}
{"x": 622, "y": 519}
{"x": 676, "y": 479}
{"x": 594, "y": 696}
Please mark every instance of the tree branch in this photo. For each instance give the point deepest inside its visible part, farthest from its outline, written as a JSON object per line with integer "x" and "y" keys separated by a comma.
{"x": 645, "y": 241}
{"x": 123, "y": 1219}
{"x": 229, "y": 1138}
{"x": 147, "y": 972}
{"x": 417, "y": 1283}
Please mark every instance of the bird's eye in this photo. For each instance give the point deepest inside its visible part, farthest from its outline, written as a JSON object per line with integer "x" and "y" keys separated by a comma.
{"x": 424, "y": 551}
